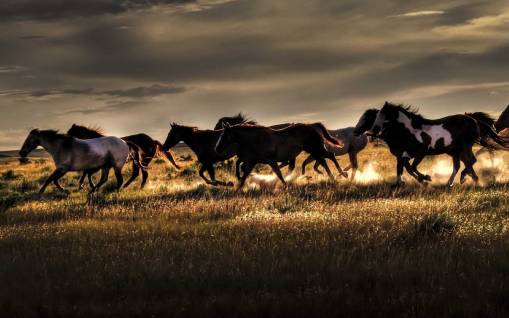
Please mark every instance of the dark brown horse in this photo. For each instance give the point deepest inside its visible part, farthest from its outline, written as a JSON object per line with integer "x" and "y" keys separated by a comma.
{"x": 148, "y": 149}
{"x": 202, "y": 143}
{"x": 351, "y": 144}
{"x": 258, "y": 144}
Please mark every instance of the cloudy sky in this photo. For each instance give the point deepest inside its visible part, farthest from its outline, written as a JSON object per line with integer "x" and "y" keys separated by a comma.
{"x": 137, "y": 65}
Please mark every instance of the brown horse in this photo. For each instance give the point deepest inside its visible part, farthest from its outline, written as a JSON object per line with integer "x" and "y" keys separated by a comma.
{"x": 148, "y": 148}
{"x": 258, "y": 144}
{"x": 202, "y": 143}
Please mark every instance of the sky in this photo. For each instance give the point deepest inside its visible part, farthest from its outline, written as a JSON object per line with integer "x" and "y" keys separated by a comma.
{"x": 138, "y": 65}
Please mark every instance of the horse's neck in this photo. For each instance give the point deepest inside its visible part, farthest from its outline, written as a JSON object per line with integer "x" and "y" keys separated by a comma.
{"x": 51, "y": 146}
{"x": 191, "y": 140}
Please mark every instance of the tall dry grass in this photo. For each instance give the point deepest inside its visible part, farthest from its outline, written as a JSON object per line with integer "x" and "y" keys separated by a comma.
{"x": 181, "y": 248}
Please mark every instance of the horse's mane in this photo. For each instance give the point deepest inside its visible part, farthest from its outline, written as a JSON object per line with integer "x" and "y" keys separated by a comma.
{"x": 88, "y": 130}
{"x": 239, "y": 119}
{"x": 55, "y": 134}
{"x": 410, "y": 111}
{"x": 243, "y": 119}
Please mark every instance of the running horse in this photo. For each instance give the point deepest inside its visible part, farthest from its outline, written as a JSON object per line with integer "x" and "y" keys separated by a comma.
{"x": 259, "y": 144}
{"x": 148, "y": 147}
{"x": 352, "y": 144}
{"x": 72, "y": 154}
{"x": 411, "y": 136}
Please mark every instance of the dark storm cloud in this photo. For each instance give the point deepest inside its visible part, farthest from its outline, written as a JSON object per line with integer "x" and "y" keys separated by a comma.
{"x": 68, "y": 9}
{"x": 134, "y": 93}
{"x": 436, "y": 69}
{"x": 110, "y": 107}
{"x": 275, "y": 60}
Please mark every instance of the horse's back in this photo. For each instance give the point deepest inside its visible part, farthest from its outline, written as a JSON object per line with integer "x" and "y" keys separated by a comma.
{"x": 111, "y": 146}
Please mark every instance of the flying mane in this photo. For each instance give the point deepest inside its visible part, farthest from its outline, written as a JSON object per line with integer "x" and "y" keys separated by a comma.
{"x": 417, "y": 119}
{"x": 239, "y": 119}
{"x": 90, "y": 131}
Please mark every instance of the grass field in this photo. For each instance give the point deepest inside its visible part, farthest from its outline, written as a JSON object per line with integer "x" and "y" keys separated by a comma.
{"x": 180, "y": 248}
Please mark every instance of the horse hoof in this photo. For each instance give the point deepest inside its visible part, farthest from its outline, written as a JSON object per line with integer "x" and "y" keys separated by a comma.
{"x": 345, "y": 175}
{"x": 229, "y": 184}
{"x": 427, "y": 178}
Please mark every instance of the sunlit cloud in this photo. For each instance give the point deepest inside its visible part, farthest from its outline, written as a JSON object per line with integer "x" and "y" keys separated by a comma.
{"x": 418, "y": 14}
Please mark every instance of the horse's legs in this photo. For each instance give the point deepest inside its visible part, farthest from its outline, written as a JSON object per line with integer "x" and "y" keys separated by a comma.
{"x": 420, "y": 177}
{"x": 352, "y": 155}
{"x": 308, "y": 160}
{"x": 57, "y": 174}
{"x": 104, "y": 177}
{"x": 247, "y": 167}
{"x": 144, "y": 173}
{"x": 202, "y": 174}
{"x": 82, "y": 179}
{"x": 469, "y": 160}
{"x": 322, "y": 161}
{"x": 136, "y": 173}
{"x": 120, "y": 178}
{"x": 399, "y": 170}
{"x": 57, "y": 184}
{"x": 332, "y": 157}
{"x": 291, "y": 164}
{"x": 278, "y": 173}
{"x": 90, "y": 180}
{"x": 455, "y": 169}
{"x": 212, "y": 174}
{"x": 237, "y": 169}
{"x": 316, "y": 167}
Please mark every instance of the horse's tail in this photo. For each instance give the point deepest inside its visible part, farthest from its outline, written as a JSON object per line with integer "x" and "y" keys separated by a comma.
{"x": 165, "y": 154}
{"x": 487, "y": 132}
{"x": 327, "y": 136}
{"x": 135, "y": 156}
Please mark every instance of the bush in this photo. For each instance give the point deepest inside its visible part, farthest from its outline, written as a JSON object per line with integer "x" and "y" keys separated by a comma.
{"x": 10, "y": 175}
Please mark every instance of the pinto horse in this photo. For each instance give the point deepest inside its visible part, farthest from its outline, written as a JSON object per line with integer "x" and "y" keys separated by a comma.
{"x": 72, "y": 154}
{"x": 259, "y": 144}
{"x": 148, "y": 149}
{"x": 411, "y": 136}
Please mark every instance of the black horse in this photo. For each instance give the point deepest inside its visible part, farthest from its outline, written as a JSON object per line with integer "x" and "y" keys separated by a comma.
{"x": 148, "y": 149}
{"x": 411, "y": 136}
{"x": 202, "y": 143}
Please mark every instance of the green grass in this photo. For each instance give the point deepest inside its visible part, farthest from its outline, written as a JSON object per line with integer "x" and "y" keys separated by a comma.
{"x": 180, "y": 248}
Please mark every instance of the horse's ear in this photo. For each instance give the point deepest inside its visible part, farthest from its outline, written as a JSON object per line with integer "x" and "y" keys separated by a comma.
{"x": 35, "y": 132}
{"x": 386, "y": 103}
{"x": 73, "y": 126}
{"x": 172, "y": 125}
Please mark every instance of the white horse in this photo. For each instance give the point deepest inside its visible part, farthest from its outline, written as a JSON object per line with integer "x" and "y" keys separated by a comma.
{"x": 72, "y": 154}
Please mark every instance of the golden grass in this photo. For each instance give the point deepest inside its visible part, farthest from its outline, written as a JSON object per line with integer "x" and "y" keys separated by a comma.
{"x": 181, "y": 248}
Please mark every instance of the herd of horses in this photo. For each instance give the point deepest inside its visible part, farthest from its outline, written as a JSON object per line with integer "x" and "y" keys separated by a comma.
{"x": 409, "y": 136}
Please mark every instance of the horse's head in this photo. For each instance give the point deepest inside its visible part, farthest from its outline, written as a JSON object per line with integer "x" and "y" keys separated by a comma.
{"x": 388, "y": 114}
{"x": 176, "y": 134}
{"x": 31, "y": 142}
{"x": 226, "y": 139}
{"x": 366, "y": 122}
